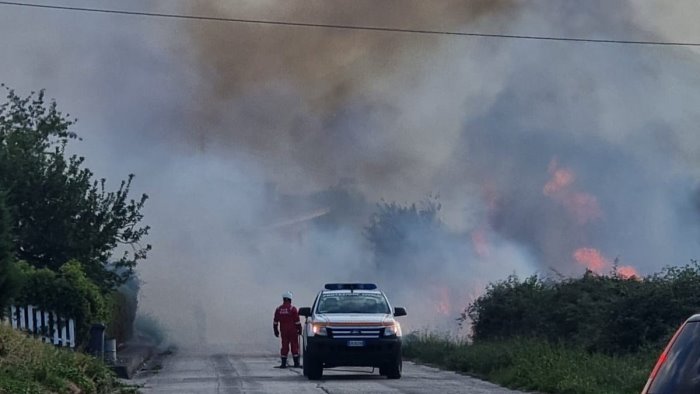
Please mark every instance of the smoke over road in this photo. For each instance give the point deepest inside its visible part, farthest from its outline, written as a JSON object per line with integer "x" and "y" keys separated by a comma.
{"x": 265, "y": 148}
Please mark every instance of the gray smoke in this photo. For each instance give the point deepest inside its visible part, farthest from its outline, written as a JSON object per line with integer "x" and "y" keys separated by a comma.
{"x": 264, "y": 148}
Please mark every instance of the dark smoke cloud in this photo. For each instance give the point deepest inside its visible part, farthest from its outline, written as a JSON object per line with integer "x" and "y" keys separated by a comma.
{"x": 327, "y": 65}
{"x": 326, "y": 100}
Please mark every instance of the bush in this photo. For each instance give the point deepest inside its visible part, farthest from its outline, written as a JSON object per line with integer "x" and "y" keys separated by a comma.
{"x": 67, "y": 292}
{"x": 602, "y": 313}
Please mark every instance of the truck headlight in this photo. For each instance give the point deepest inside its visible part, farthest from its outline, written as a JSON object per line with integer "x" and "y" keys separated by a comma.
{"x": 392, "y": 330}
{"x": 319, "y": 329}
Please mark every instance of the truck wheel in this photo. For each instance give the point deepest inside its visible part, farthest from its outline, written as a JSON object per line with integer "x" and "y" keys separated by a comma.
{"x": 314, "y": 371}
{"x": 382, "y": 371}
{"x": 393, "y": 370}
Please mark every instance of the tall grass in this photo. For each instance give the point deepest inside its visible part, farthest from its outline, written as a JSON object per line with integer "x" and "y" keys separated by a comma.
{"x": 537, "y": 365}
{"x": 30, "y": 366}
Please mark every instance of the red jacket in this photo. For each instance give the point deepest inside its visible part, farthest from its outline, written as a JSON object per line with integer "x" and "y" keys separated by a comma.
{"x": 288, "y": 318}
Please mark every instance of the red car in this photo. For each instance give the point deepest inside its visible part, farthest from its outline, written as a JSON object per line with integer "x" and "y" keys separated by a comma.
{"x": 678, "y": 368}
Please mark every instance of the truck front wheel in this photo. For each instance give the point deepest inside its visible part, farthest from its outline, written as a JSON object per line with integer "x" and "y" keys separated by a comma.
{"x": 304, "y": 364}
{"x": 313, "y": 367}
{"x": 393, "y": 369}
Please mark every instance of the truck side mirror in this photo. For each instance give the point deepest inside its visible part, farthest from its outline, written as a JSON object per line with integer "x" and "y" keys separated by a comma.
{"x": 305, "y": 311}
{"x": 398, "y": 311}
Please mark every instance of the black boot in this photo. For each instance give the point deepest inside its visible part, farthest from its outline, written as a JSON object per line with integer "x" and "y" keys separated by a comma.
{"x": 284, "y": 362}
{"x": 296, "y": 362}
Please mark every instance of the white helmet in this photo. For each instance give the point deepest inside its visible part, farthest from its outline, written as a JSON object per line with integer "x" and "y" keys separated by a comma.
{"x": 287, "y": 295}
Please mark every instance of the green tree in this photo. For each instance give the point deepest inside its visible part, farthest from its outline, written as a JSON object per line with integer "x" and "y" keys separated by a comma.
{"x": 9, "y": 274}
{"x": 60, "y": 211}
{"x": 402, "y": 235}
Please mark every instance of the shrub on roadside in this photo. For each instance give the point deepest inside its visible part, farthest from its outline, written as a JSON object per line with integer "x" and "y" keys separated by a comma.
{"x": 68, "y": 292}
{"x": 602, "y": 313}
{"x": 30, "y": 366}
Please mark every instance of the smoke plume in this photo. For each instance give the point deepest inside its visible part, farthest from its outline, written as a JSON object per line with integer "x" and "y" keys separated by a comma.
{"x": 265, "y": 148}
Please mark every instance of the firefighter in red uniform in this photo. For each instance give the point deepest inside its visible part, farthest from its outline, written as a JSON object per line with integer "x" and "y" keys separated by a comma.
{"x": 287, "y": 317}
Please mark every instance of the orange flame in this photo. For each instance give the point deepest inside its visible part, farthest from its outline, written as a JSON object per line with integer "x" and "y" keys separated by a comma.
{"x": 627, "y": 272}
{"x": 591, "y": 259}
{"x": 581, "y": 205}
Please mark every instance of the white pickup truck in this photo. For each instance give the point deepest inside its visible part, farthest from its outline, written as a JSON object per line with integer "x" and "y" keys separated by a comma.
{"x": 351, "y": 324}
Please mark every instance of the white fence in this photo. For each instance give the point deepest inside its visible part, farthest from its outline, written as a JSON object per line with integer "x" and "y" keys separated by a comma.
{"x": 50, "y": 327}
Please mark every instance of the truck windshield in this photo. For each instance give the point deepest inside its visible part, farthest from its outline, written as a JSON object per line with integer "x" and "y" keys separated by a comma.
{"x": 353, "y": 303}
{"x": 680, "y": 372}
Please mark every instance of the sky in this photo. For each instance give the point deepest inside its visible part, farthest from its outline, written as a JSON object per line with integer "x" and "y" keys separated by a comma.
{"x": 547, "y": 156}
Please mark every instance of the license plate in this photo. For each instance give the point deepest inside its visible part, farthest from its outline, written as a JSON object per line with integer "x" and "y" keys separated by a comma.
{"x": 356, "y": 343}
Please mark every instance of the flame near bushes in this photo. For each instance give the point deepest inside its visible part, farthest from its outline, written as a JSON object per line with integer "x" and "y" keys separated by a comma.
{"x": 604, "y": 313}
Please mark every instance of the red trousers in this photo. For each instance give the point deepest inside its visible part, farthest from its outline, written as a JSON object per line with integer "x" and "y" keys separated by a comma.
{"x": 289, "y": 338}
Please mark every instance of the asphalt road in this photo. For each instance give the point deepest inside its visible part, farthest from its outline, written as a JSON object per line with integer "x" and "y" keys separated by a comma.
{"x": 219, "y": 371}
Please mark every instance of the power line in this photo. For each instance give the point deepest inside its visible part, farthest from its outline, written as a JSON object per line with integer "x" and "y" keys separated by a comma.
{"x": 350, "y": 27}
